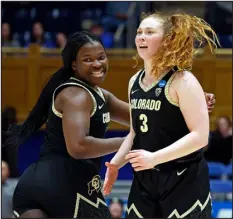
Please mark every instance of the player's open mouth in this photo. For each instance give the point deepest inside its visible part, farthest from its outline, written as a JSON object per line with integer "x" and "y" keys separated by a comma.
{"x": 98, "y": 73}
{"x": 143, "y": 46}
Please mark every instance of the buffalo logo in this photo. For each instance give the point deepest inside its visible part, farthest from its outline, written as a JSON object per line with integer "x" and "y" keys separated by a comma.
{"x": 94, "y": 185}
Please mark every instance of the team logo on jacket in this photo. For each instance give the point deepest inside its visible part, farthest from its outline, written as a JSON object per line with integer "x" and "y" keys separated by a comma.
{"x": 158, "y": 91}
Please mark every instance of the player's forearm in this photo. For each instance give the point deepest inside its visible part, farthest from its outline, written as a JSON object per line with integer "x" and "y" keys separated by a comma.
{"x": 121, "y": 114}
{"x": 184, "y": 146}
{"x": 92, "y": 147}
{"x": 126, "y": 146}
{"x": 123, "y": 120}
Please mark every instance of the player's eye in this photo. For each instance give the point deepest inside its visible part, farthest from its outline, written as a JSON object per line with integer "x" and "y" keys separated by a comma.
{"x": 102, "y": 57}
{"x": 87, "y": 60}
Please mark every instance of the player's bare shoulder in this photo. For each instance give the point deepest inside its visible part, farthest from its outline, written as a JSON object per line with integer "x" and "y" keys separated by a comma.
{"x": 184, "y": 79}
{"x": 73, "y": 96}
{"x": 73, "y": 93}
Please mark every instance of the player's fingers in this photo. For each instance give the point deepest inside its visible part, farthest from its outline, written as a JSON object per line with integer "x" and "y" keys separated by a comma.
{"x": 212, "y": 96}
{"x": 211, "y": 104}
{"x": 112, "y": 176}
{"x": 134, "y": 165}
{"x": 107, "y": 190}
{"x": 210, "y": 108}
{"x": 132, "y": 155}
{"x": 133, "y": 160}
{"x": 135, "y": 151}
{"x": 213, "y": 101}
{"x": 110, "y": 165}
{"x": 106, "y": 182}
{"x": 107, "y": 164}
{"x": 139, "y": 169}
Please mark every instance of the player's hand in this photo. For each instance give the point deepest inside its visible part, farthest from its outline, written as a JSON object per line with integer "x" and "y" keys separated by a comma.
{"x": 110, "y": 177}
{"x": 210, "y": 100}
{"x": 141, "y": 159}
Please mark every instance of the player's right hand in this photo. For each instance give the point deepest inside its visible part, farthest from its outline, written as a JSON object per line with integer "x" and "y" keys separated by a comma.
{"x": 110, "y": 177}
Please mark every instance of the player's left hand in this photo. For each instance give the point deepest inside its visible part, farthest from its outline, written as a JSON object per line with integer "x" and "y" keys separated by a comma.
{"x": 110, "y": 177}
{"x": 210, "y": 100}
{"x": 141, "y": 159}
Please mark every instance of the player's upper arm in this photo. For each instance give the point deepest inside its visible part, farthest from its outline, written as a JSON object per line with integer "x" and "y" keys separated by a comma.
{"x": 193, "y": 105}
{"x": 119, "y": 110}
{"x": 77, "y": 106}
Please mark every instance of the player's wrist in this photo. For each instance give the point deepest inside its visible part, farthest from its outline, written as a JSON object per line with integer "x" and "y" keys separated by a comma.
{"x": 155, "y": 159}
{"x": 114, "y": 164}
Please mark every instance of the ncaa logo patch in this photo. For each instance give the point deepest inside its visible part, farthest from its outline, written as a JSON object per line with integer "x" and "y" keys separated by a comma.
{"x": 162, "y": 83}
{"x": 158, "y": 91}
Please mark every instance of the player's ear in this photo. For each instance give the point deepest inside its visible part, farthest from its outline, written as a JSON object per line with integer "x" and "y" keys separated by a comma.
{"x": 74, "y": 65}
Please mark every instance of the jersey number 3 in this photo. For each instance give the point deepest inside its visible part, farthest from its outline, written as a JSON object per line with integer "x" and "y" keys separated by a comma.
{"x": 144, "y": 126}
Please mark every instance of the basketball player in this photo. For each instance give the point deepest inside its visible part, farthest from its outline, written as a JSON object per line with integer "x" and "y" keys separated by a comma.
{"x": 65, "y": 182}
{"x": 169, "y": 123}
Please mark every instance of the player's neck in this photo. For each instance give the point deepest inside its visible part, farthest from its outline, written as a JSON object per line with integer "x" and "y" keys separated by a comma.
{"x": 148, "y": 71}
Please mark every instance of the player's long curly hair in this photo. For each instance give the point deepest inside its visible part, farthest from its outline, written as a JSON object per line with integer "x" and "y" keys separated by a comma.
{"x": 183, "y": 33}
{"x": 18, "y": 134}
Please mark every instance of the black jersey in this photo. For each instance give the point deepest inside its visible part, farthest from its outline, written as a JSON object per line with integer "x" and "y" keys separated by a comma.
{"x": 156, "y": 119}
{"x": 54, "y": 142}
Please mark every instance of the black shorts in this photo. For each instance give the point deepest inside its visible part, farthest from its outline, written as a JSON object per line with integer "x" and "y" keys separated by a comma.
{"x": 62, "y": 188}
{"x": 178, "y": 193}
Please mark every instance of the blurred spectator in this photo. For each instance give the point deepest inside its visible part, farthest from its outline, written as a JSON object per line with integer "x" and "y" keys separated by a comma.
{"x": 8, "y": 186}
{"x": 105, "y": 37}
{"x": 223, "y": 23}
{"x": 38, "y": 36}
{"x": 6, "y": 202}
{"x": 61, "y": 40}
{"x": 219, "y": 148}
{"x": 9, "y": 117}
{"x": 86, "y": 24}
{"x": 5, "y": 172}
{"x": 7, "y": 40}
{"x": 116, "y": 208}
{"x": 116, "y": 14}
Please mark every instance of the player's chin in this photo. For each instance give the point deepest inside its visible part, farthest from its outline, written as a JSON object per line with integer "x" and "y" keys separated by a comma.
{"x": 98, "y": 80}
{"x": 144, "y": 54}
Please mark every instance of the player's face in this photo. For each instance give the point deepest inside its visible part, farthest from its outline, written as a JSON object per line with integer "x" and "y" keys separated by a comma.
{"x": 115, "y": 210}
{"x": 149, "y": 37}
{"x": 91, "y": 63}
{"x": 5, "y": 172}
{"x": 223, "y": 125}
{"x": 5, "y": 30}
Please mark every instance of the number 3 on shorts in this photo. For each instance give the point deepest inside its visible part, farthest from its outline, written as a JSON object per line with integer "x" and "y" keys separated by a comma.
{"x": 144, "y": 126}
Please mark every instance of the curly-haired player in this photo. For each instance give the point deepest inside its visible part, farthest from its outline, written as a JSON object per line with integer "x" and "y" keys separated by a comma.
{"x": 169, "y": 122}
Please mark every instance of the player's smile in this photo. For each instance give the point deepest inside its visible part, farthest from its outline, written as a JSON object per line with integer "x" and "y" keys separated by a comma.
{"x": 99, "y": 72}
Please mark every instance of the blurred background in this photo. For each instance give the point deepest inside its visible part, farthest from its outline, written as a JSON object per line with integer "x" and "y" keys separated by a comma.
{"x": 33, "y": 34}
